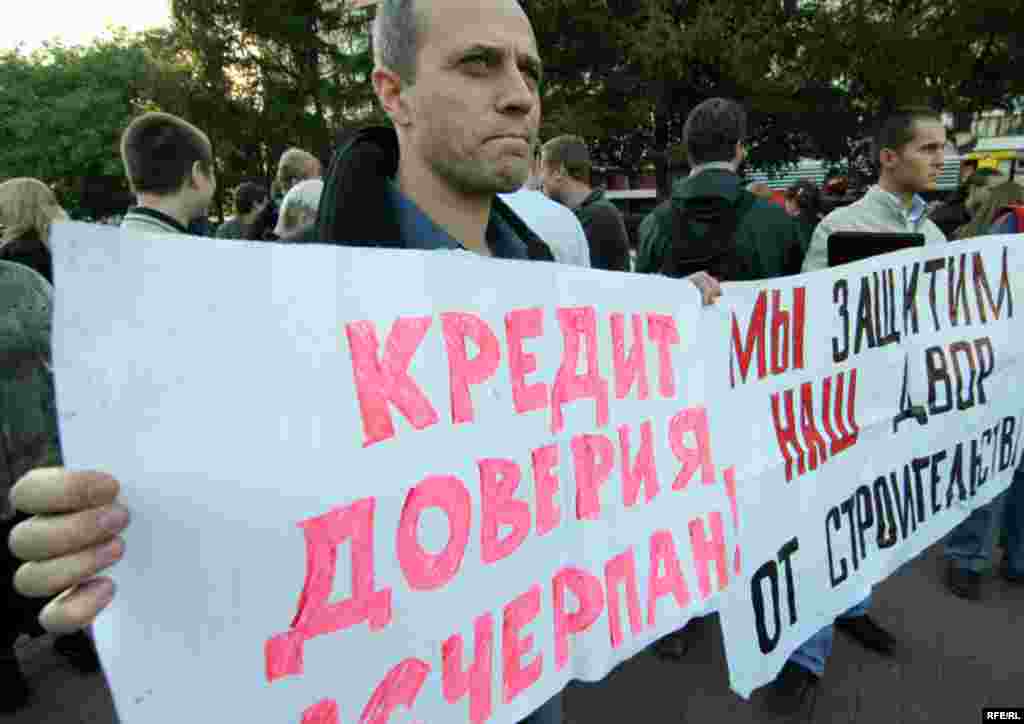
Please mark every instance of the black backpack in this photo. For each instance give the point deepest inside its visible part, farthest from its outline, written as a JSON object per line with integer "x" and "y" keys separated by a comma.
{"x": 716, "y": 252}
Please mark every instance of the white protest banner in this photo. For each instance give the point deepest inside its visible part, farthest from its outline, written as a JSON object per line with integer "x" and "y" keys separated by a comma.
{"x": 891, "y": 409}
{"x": 366, "y": 482}
{"x": 376, "y": 485}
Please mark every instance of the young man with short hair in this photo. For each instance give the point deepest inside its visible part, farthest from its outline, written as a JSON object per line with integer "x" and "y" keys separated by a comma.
{"x": 169, "y": 164}
{"x": 711, "y": 218}
{"x": 565, "y": 178}
{"x": 556, "y": 225}
{"x": 909, "y": 148}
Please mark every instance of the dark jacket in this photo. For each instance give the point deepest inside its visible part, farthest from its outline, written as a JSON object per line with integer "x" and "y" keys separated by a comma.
{"x": 233, "y": 229}
{"x": 950, "y": 216}
{"x": 28, "y": 422}
{"x": 606, "y": 232}
{"x": 769, "y": 243}
{"x": 357, "y": 206}
{"x": 29, "y": 250}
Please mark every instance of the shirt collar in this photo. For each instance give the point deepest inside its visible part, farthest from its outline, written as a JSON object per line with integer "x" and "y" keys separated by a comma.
{"x": 713, "y": 165}
{"x": 419, "y": 231}
{"x": 914, "y": 214}
{"x": 160, "y": 216}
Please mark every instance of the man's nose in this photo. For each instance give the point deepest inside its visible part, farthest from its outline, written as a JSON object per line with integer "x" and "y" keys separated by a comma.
{"x": 518, "y": 95}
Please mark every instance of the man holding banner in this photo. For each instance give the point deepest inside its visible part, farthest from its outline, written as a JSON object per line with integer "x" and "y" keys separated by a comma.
{"x": 461, "y": 84}
{"x": 909, "y": 148}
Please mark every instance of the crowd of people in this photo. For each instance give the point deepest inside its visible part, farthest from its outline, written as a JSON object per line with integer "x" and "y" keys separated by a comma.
{"x": 461, "y": 168}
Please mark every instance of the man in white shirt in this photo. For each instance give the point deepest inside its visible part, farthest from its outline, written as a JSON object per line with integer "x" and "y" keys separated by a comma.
{"x": 555, "y": 224}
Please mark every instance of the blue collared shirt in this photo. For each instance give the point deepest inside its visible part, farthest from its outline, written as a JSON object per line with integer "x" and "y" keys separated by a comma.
{"x": 419, "y": 231}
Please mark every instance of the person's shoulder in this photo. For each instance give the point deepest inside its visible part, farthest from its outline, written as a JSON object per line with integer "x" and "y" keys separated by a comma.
{"x": 657, "y": 216}
{"x": 843, "y": 214}
{"x": 765, "y": 215}
{"x": 606, "y": 206}
{"x": 229, "y": 228}
{"x": 932, "y": 232}
{"x": 16, "y": 278}
{"x": 527, "y": 202}
{"x": 26, "y": 299}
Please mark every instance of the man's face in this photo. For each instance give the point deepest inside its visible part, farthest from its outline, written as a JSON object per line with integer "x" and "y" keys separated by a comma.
{"x": 916, "y": 167}
{"x": 550, "y": 177}
{"x": 202, "y": 189}
{"x": 471, "y": 117}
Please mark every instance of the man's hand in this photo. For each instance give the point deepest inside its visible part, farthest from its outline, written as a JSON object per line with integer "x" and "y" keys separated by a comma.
{"x": 72, "y": 536}
{"x": 710, "y": 289}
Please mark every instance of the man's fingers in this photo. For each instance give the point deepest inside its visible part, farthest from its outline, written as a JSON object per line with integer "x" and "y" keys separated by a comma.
{"x": 40, "y": 579}
{"x": 709, "y": 287}
{"x": 43, "y": 537}
{"x": 77, "y": 608}
{"x": 56, "y": 490}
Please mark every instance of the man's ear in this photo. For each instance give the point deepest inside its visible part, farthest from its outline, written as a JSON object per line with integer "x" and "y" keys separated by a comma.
{"x": 741, "y": 153}
{"x": 197, "y": 172}
{"x": 887, "y": 157}
{"x": 389, "y": 87}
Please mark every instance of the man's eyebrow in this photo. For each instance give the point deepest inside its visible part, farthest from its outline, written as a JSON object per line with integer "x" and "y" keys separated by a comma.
{"x": 495, "y": 52}
{"x": 478, "y": 49}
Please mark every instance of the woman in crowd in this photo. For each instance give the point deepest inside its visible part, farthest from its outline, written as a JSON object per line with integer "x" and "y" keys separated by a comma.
{"x": 995, "y": 201}
{"x": 27, "y": 209}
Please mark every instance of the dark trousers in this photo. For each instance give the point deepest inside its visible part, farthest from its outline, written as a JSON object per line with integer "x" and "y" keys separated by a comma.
{"x": 18, "y": 615}
{"x": 549, "y": 713}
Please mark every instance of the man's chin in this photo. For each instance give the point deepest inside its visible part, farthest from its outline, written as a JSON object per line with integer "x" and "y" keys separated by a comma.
{"x": 507, "y": 181}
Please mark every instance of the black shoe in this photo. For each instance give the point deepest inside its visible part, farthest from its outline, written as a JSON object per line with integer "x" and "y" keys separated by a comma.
{"x": 963, "y": 583}
{"x": 1004, "y": 571}
{"x": 80, "y": 652}
{"x": 868, "y": 634}
{"x": 788, "y": 694}
{"x": 14, "y": 690}
{"x": 677, "y": 644}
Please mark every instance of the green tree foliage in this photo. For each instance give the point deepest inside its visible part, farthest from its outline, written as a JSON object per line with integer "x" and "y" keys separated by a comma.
{"x": 261, "y": 75}
{"x": 63, "y": 110}
{"x": 814, "y": 74}
{"x": 298, "y": 70}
